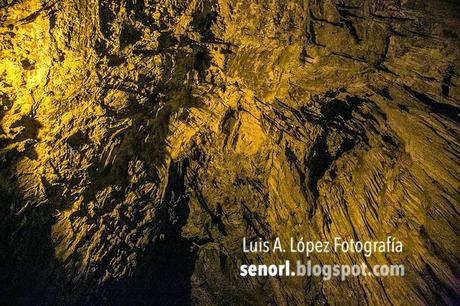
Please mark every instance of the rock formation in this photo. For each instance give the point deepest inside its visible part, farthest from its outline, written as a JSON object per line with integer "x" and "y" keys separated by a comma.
{"x": 140, "y": 140}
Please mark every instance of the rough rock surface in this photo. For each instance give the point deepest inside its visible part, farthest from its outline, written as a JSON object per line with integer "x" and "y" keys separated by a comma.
{"x": 140, "y": 140}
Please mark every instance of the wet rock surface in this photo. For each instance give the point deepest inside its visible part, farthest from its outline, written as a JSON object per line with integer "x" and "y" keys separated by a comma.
{"x": 141, "y": 140}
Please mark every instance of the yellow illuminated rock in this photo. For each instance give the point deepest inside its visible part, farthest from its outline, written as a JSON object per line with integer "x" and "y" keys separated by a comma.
{"x": 141, "y": 140}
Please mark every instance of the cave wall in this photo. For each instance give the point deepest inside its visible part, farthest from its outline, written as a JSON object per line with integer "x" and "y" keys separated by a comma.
{"x": 141, "y": 140}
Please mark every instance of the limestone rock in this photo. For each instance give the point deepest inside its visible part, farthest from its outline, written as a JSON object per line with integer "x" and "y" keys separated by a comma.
{"x": 140, "y": 140}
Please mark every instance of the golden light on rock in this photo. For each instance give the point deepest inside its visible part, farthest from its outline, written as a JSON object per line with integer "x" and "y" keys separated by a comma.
{"x": 141, "y": 141}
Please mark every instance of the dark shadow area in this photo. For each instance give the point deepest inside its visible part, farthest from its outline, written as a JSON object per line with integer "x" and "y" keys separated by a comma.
{"x": 443, "y": 109}
{"x": 335, "y": 115}
{"x": 29, "y": 273}
{"x": 163, "y": 274}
